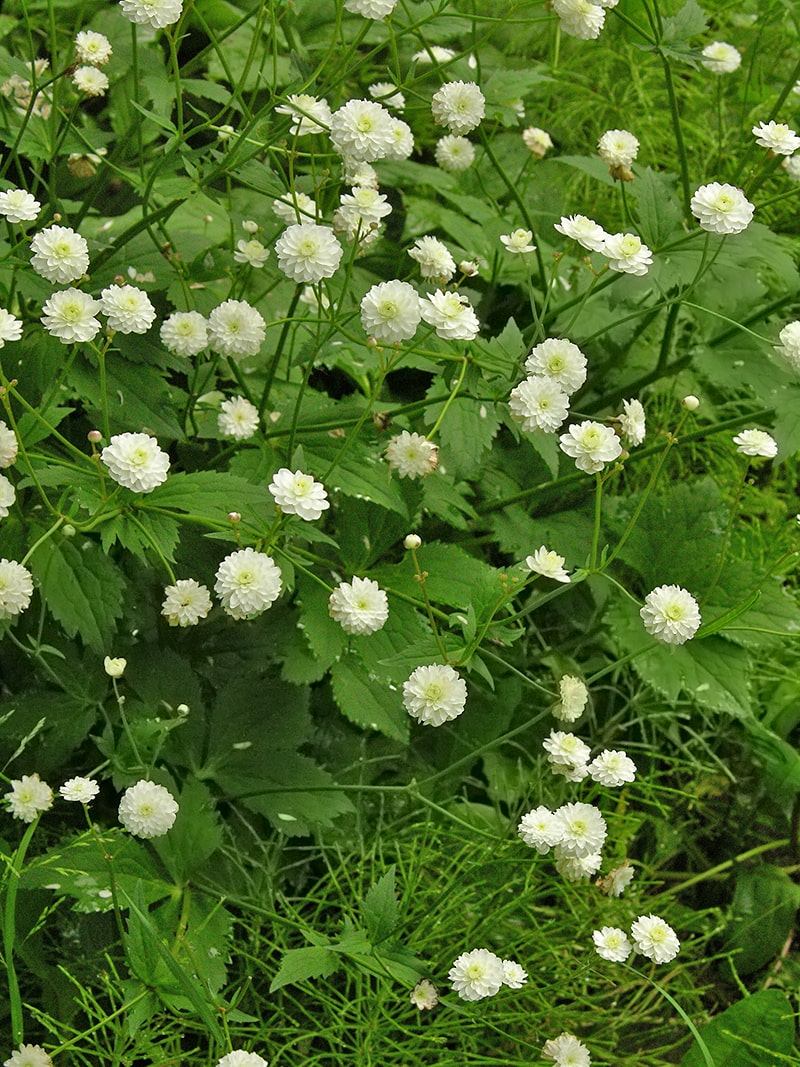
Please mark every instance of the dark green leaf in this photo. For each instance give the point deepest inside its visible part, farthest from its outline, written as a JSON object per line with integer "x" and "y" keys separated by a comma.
{"x": 758, "y": 1031}
{"x": 380, "y": 907}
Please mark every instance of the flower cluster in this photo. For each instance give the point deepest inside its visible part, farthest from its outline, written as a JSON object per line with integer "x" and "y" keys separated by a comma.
{"x": 481, "y": 973}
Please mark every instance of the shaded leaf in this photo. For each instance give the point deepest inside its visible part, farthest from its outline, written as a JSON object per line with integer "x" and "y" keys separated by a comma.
{"x": 755, "y": 1032}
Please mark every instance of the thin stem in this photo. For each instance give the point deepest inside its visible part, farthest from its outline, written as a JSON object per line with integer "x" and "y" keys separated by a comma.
{"x": 726, "y": 536}
{"x": 454, "y": 392}
{"x": 9, "y": 933}
{"x": 676, "y": 125}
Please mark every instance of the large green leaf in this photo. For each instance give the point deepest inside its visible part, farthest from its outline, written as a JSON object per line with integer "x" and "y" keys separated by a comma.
{"x": 762, "y": 915}
{"x": 367, "y": 702}
{"x": 755, "y": 1032}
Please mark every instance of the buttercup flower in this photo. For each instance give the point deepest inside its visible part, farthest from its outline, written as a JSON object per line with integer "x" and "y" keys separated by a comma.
{"x": 8, "y": 445}
{"x": 560, "y": 360}
{"x": 567, "y": 755}
{"x": 576, "y": 868}
{"x": 618, "y": 148}
{"x": 588, "y": 233}
{"x": 591, "y": 445}
{"x": 615, "y": 882}
{"x": 459, "y": 106}
{"x": 127, "y": 309}
{"x": 756, "y": 443}
{"x": 185, "y": 333}
{"x": 548, "y": 563}
{"x": 434, "y": 695}
{"x": 236, "y": 328}
{"x": 10, "y": 327}
{"x": 435, "y": 262}
{"x": 356, "y": 172}
{"x": 94, "y": 48}
{"x": 16, "y": 588}
{"x": 655, "y": 939}
{"x": 536, "y": 140}
{"x": 294, "y": 207}
{"x": 387, "y": 93}
{"x": 59, "y": 254}
{"x": 632, "y": 422}
{"x": 91, "y": 81}
{"x": 476, "y": 974}
{"x": 17, "y": 205}
{"x": 567, "y": 1051}
{"x": 7, "y": 495}
{"x": 435, "y": 53}
{"x": 454, "y": 153}
{"x": 371, "y": 9}
{"x": 29, "y": 797}
{"x": 29, "y": 1056}
{"x": 298, "y": 494}
{"x": 540, "y": 829}
{"x": 114, "y": 668}
{"x": 538, "y": 403}
{"x": 248, "y": 582}
{"x": 789, "y": 346}
{"x": 721, "y": 208}
{"x": 238, "y": 418}
{"x": 574, "y": 698}
{"x": 251, "y": 252}
{"x": 514, "y": 976}
{"x": 135, "y": 461}
{"x": 308, "y": 253}
{"x": 579, "y": 18}
{"x": 69, "y": 315}
{"x": 155, "y": 13}
{"x": 451, "y": 315}
{"x": 584, "y": 829}
{"x": 721, "y": 58}
{"x": 627, "y": 253}
{"x": 186, "y": 602}
{"x": 412, "y": 455}
{"x": 671, "y": 614}
{"x": 240, "y": 1058}
{"x": 80, "y": 790}
{"x": 424, "y": 995}
{"x": 360, "y": 606}
{"x": 612, "y": 768}
{"x": 147, "y": 809}
{"x": 390, "y": 312}
{"x": 310, "y": 113}
{"x": 776, "y": 136}
{"x": 612, "y": 944}
{"x": 401, "y": 140}
{"x": 362, "y": 130}
{"x": 518, "y": 241}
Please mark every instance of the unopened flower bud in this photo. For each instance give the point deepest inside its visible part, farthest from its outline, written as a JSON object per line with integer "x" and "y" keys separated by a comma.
{"x": 224, "y": 133}
{"x": 691, "y": 403}
{"x": 68, "y": 531}
{"x": 114, "y": 668}
{"x": 250, "y": 226}
{"x": 468, "y": 267}
{"x": 412, "y": 541}
{"x": 234, "y": 516}
{"x": 183, "y": 709}
{"x": 94, "y": 436}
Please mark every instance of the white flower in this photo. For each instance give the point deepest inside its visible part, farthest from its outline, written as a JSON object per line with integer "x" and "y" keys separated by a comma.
{"x": 69, "y": 316}
{"x": 362, "y": 130}
{"x": 114, "y": 668}
{"x": 670, "y": 614}
{"x": 721, "y": 58}
{"x": 17, "y": 205}
{"x": 435, "y": 53}
{"x": 135, "y": 461}
{"x": 401, "y": 140}
{"x": 8, "y": 495}
{"x": 574, "y": 698}
{"x": 80, "y": 790}
{"x": 185, "y": 333}
{"x": 240, "y": 1058}
{"x": 627, "y": 253}
{"x": 612, "y": 944}
{"x": 579, "y": 18}
{"x": 560, "y": 360}
{"x": 721, "y": 208}
{"x": 567, "y": 1051}
{"x": 514, "y": 976}
{"x": 298, "y": 494}
{"x": 310, "y": 113}
{"x": 655, "y": 939}
{"x": 618, "y": 148}
{"x": 567, "y": 755}
{"x": 435, "y": 262}
{"x": 238, "y": 418}
{"x": 537, "y": 140}
{"x": 236, "y": 328}
{"x": 756, "y": 443}
{"x": 16, "y": 588}
{"x": 390, "y": 312}
{"x": 424, "y": 995}
{"x": 356, "y": 172}
{"x": 576, "y": 868}
{"x": 776, "y": 136}
{"x": 59, "y": 254}
{"x": 294, "y": 207}
{"x": 91, "y": 81}
{"x": 588, "y": 233}
{"x": 29, "y": 1056}
{"x": 540, "y": 829}
{"x": 308, "y": 253}
{"x": 518, "y": 241}
{"x": 371, "y": 9}
{"x": 789, "y": 346}
{"x": 251, "y": 252}
{"x": 476, "y": 974}
{"x": 454, "y": 153}
{"x": 155, "y": 13}
{"x": 29, "y": 796}
{"x": 186, "y": 602}
{"x": 412, "y": 455}
{"x": 459, "y": 106}
{"x": 360, "y": 606}
{"x": 8, "y": 445}
{"x": 612, "y": 768}
{"x": 127, "y": 309}
{"x": 547, "y": 563}
{"x": 584, "y": 829}
{"x": 591, "y": 445}
{"x": 632, "y": 422}
{"x": 387, "y": 93}
{"x": 10, "y": 327}
{"x": 147, "y": 809}
{"x": 94, "y": 48}
{"x": 791, "y": 164}
{"x": 434, "y": 695}
{"x": 362, "y": 208}
{"x": 615, "y": 882}
{"x": 451, "y": 315}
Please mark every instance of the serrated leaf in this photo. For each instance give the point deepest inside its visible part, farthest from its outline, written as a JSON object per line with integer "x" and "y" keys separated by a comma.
{"x": 195, "y": 835}
{"x": 502, "y": 354}
{"x": 365, "y": 703}
{"x": 658, "y": 207}
{"x": 755, "y": 1032}
{"x": 141, "y": 534}
{"x": 687, "y": 22}
{"x": 82, "y": 588}
{"x": 212, "y": 494}
{"x": 300, "y": 964}
{"x": 380, "y": 908}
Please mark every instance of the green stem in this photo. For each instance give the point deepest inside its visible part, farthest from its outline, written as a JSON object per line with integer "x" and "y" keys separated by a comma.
{"x": 726, "y": 536}
{"x": 9, "y": 934}
{"x": 676, "y": 125}
{"x": 421, "y": 575}
{"x": 454, "y": 392}
{"x": 598, "y": 514}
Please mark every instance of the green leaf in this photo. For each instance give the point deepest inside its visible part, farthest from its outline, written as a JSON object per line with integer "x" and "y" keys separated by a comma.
{"x": 380, "y": 907}
{"x": 502, "y": 354}
{"x": 468, "y": 429}
{"x": 685, "y": 23}
{"x": 658, "y": 207}
{"x": 195, "y": 836}
{"x": 365, "y": 703}
{"x": 138, "y": 397}
{"x": 591, "y": 165}
{"x": 300, "y": 964}
{"x": 758, "y": 1031}
{"x": 142, "y": 534}
{"x": 212, "y": 494}
{"x": 82, "y": 589}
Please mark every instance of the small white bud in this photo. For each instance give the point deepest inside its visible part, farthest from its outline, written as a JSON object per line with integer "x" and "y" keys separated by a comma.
{"x": 691, "y": 403}
{"x": 412, "y": 541}
{"x": 114, "y": 668}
